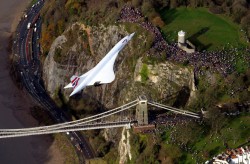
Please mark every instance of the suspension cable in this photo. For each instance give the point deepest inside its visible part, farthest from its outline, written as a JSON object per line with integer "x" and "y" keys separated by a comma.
{"x": 66, "y": 123}
{"x": 65, "y": 126}
{"x": 174, "y": 110}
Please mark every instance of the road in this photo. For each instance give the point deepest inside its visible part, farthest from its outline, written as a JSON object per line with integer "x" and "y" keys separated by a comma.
{"x": 27, "y": 49}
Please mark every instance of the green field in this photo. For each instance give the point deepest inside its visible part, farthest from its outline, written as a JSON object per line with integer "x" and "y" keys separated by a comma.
{"x": 205, "y": 30}
{"x": 235, "y": 132}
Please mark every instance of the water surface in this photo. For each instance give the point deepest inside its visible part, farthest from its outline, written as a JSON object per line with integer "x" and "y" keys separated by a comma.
{"x": 15, "y": 104}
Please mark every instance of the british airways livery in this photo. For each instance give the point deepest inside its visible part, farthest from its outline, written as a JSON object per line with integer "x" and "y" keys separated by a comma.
{"x": 102, "y": 73}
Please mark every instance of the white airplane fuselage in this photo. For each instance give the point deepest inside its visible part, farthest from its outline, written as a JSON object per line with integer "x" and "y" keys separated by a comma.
{"x": 112, "y": 54}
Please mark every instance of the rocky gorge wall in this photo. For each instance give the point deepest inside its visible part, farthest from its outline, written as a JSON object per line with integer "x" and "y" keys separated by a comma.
{"x": 80, "y": 48}
{"x": 164, "y": 78}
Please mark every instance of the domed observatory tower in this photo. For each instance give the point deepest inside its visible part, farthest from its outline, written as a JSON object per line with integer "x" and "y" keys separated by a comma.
{"x": 181, "y": 38}
{"x": 184, "y": 44}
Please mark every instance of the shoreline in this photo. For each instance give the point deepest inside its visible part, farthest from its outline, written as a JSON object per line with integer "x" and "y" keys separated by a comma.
{"x": 46, "y": 145}
{"x": 18, "y": 15}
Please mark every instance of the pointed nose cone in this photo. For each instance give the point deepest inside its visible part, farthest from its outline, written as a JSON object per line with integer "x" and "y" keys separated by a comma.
{"x": 131, "y": 35}
{"x": 71, "y": 94}
{"x": 74, "y": 92}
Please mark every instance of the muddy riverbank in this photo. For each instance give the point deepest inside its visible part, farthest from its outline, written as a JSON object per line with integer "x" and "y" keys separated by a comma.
{"x": 15, "y": 104}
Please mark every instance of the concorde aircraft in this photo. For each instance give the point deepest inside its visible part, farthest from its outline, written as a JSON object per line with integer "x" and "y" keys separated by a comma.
{"x": 102, "y": 73}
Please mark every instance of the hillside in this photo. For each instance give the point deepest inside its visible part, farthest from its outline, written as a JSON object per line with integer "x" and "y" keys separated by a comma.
{"x": 77, "y": 34}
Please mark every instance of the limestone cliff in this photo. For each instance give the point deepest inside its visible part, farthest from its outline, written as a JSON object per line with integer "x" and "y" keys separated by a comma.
{"x": 80, "y": 48}
{"x": 52, "y": 72}
{"x": 124, "y": 147}
{"x": 80, "y": 55}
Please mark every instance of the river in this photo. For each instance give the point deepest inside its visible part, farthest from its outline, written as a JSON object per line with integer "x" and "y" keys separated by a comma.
{"x": 15, "y": 104}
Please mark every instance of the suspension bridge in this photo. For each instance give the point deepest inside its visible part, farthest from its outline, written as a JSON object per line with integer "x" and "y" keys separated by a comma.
{"x": 122, "y": 116}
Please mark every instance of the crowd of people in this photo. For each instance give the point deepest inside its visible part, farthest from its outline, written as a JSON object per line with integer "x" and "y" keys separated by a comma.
{"x": 223, "y": 61}
{"x": 130, "y": 14}
{"x": 134, "y": 15}
{"x": 171, "y": 119}
{"x": 159, "y": 43}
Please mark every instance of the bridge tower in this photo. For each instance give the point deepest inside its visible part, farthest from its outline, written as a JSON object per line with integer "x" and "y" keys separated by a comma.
{"x": 142, "y": 111}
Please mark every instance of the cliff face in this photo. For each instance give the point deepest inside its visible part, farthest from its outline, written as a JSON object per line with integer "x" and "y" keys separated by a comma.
{"x": 80, "y": 48}
{"x": 124, "y": 147}
{"x": 80, "y": 54}
{"x": 52, "y": 72}
{"x": 164, "y": 79}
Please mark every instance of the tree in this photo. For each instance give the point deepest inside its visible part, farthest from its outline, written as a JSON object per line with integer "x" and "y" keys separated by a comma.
{"x": 245, "y": 22}
{"x": 173, "y": 3}
{"x": 144, "y": 73}
{"x": 239, "y": 10}
{"x": 160, "y": 4}
{"x": 147, "y": 8}
{"x": 136, "y": 3}
{"x": 216, "y": 120}
{"x": 157, "y": 21}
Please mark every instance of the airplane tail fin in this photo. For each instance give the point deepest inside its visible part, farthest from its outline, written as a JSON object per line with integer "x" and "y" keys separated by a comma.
{"x": 73, "y": 82}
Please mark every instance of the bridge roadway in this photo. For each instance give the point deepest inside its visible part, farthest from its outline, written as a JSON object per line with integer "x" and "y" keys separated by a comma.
{"x": 72, "y": 129}
{"x": 92, "y": 122}
{"x": 88, "y": 120}
{"x": 29, "y": 68}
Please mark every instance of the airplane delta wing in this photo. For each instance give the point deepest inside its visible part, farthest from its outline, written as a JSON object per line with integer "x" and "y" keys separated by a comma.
{"x": 106, "y": 74}
{"x": 102, "y": 73}
{"x": 68, "y": 86}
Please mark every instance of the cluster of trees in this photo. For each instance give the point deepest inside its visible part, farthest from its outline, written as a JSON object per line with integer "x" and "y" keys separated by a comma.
{"x": 232, "y": 89}
{"x": 143, "y": 149}
{"x": 58, "y": 14}
{"x": 54, "y": 22}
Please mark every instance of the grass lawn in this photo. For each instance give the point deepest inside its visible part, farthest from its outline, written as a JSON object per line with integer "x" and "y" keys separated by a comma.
{"x": 237, "y": 132}
{"x": 205, "y": 30}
